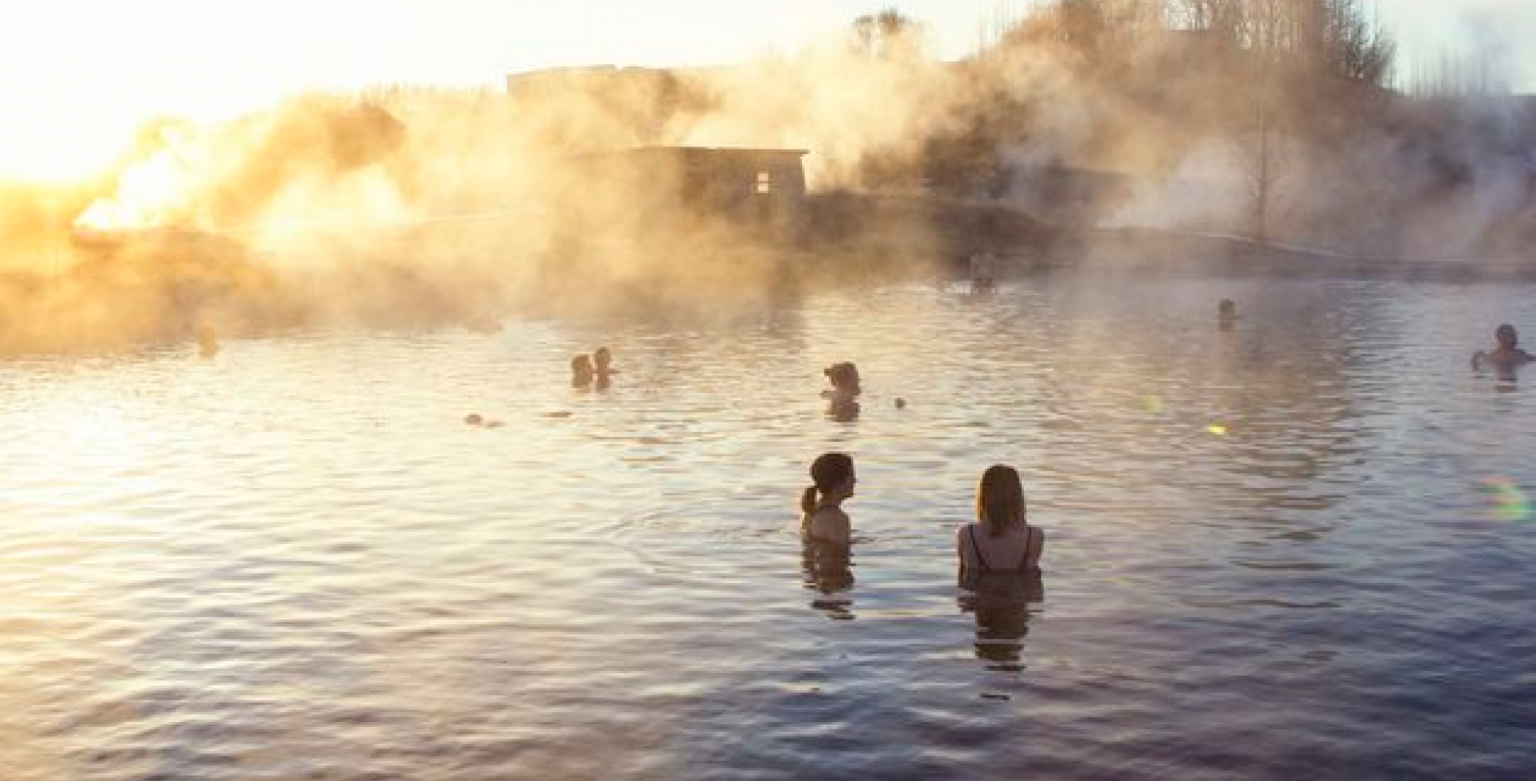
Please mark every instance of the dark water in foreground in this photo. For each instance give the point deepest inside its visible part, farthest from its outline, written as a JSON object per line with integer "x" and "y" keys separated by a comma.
{"x": 1296, "y": 550}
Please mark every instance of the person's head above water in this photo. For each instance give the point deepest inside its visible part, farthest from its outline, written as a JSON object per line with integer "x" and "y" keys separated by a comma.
{"x": 1506, "y": 337}
{"x": 832, "y": 481}
{"x": 1000, "y": 499}
{"x": 601, "y": 358}
{"x": 1227, "y": 308}
{"x": 844, "y": 376}
{"x": 581, "y": 370}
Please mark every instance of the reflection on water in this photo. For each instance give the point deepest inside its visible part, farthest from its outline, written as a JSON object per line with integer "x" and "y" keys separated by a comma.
{"x": 1001, "y": 603}
{"x": 828, "y": 571}
{"x": 1297, "y": 549}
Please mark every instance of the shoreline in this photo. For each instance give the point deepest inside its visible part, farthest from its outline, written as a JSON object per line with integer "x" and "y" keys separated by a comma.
{"x": 885, "y": 230}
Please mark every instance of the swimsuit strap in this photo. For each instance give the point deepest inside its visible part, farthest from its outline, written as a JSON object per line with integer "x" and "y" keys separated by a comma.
{"x": 1029, "y": 537}
{"x": 981, "y": 561}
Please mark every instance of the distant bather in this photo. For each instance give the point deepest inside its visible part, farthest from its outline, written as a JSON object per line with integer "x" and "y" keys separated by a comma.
{"x": 845, "y": 390}
{"x": 1226, "y": 314}
{"x": 581, "y": 371}
{"x": 1506, "y": 355}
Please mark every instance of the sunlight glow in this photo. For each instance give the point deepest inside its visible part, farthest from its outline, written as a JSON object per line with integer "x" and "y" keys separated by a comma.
{"x": 149, "y": 193}
{"x": 79, "y": 76}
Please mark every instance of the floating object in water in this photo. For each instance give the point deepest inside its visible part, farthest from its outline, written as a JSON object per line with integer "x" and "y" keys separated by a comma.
{"x": 558, "y": 414}
{"x": 1509, "y": 501}
{"x": 1217, "y": 430}
{"x": 207, "y": 341}
{"x": 1152, "y": 403}
{"x": 901, "y": 403}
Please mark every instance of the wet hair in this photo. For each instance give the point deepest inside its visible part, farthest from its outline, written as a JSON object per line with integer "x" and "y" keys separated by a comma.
{"x": 828, "y": 471}
{"x": 1506, "y": 332}
{"x": 842, "y": 375}
{"x": 999, "y": 499}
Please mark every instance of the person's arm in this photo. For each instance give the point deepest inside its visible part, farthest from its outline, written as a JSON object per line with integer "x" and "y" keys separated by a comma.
{"x": 1039, "y": 552}
{"x": 842, "y": 530}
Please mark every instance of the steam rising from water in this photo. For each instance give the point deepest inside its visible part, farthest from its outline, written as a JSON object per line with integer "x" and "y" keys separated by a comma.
{"x": 420, "y": 207}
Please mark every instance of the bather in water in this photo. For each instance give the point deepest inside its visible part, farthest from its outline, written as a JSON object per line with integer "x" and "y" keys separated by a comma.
{"x": 822, "y": 518}
{"x": 581, "y": 371}
{"x": 845, "y": 390}
{"x": 1001, "y": 539}
{"x": 1226, "y": 314}
{"x": 602, "y": 367}
{"x": 1504, "y": 357}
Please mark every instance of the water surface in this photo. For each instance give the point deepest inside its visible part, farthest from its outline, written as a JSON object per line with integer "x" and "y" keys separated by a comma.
{"x": 1289, "y": 551}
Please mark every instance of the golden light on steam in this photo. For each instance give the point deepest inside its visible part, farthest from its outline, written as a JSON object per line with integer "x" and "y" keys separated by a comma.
{"x": 149, "y": 194}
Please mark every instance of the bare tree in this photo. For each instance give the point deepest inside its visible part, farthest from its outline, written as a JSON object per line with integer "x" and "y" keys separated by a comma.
{"x": 1263, "y": 147}
{"x": 888, "y": 35}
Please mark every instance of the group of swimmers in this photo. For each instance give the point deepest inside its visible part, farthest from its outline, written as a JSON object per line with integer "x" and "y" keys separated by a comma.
{"x": 1001, "y": 540}
{"x": 596, "y": 369}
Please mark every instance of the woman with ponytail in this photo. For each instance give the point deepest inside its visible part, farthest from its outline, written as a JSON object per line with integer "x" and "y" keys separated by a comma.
{"x": 1001, "y": 540}
{"x": 832, "y": 481}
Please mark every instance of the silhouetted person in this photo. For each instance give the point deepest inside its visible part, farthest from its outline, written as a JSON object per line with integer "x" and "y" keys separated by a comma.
{"x": 822, "y": 518}
{"x": 1507, "y": 355}
{"x": 602, "y": 366}
{"x": 845, "y": 390}
{"x": 581, "y": 371}
{"x": 1226, "y": 314}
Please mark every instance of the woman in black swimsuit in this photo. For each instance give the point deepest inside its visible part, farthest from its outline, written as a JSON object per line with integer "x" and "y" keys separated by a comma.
{"x": 1001, "y": 540}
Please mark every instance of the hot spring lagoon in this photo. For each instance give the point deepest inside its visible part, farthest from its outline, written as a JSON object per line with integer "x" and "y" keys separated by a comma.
{"x": 1299, "y": 549}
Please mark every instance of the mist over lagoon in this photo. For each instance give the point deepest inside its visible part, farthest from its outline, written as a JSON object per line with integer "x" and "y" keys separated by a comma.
{"x": 303, "y": 481}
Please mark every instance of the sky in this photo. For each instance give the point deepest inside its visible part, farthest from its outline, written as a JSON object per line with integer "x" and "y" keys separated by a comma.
{"x": 79, "y": 75}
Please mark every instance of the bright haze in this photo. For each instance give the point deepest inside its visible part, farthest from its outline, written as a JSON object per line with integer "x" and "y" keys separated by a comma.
{"x": 80, "y": 75}
{"x": 171, "y": 166}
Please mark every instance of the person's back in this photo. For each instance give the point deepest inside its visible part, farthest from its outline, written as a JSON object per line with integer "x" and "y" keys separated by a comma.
{"x": 1001, "y": 539}
{"x": 1016, "y": 549}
